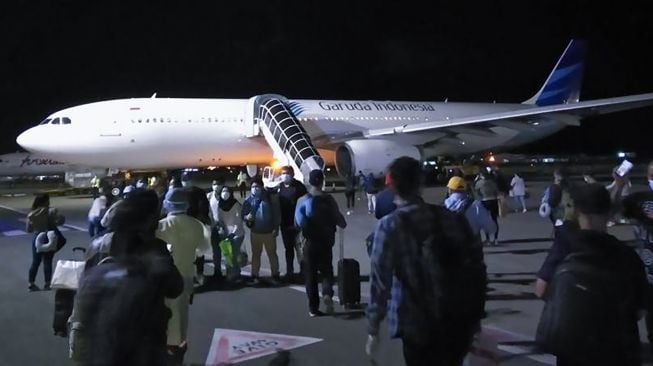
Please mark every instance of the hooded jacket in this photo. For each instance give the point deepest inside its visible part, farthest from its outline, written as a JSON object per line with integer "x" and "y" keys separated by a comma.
{"x": 476, "y": 214}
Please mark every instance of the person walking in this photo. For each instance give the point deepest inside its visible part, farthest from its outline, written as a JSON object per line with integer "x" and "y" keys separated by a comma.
{"x": 289, "y": 191}
{"x": 518, "y": 191}
{"x": 242, "y": 183}
{"x": 185, "y": 235}
{"x": 488, "y": 193}
{"x": 415, "y": 248}
{"x": 262, "y": 215}
{"x": 350, "y": 193}
{"x": 119, "y": 316}
{"x": 318, "y": 215}
{"x": 96, "y": 212}
{"x": 41, "y": 219}
{"x": 459, "y": 201}
{"x": 371, "y": 190}
{"x": 592, "y": 305}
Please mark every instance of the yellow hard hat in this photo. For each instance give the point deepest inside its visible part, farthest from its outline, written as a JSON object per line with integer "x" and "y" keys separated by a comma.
{"x": 457, "y": 184}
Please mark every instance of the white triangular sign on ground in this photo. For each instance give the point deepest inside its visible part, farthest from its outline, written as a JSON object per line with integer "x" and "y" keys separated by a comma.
{"x": 232, "y": 346}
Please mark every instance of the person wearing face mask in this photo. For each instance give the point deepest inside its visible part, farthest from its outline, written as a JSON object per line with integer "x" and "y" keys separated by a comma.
{"x": 214, "y": 198}
{"x": 230, "y": 227}
{"x": 185, "y": 235}
{"x": 290, "y": 190}
{"x": 262, "y": 215}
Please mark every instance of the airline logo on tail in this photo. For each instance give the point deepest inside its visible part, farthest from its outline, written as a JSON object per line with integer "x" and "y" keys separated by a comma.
{"x": 564, "y": 83}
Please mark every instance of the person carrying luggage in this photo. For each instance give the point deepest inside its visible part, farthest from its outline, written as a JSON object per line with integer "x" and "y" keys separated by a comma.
{"x": 596, "y": 295}
{"x": 317, "y": 215}
{"x": 119, "y": 316}
{"x": 41, "y": 219}
{"x": 422, "y": 256}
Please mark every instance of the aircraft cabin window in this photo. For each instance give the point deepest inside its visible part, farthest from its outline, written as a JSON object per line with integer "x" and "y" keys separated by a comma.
{"x": 65, "y": 121}
{"x": 55, "y": 121}
{"x": 45, "y": 121}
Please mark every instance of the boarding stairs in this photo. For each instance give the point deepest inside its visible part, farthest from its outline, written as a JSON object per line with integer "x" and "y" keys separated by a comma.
{"x": 289, "y": 141}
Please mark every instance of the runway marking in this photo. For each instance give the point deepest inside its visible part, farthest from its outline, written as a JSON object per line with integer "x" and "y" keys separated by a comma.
{"x": 232, "y": 346}
{"x": 14, "y": 233}
{"x": 70, "y": 226}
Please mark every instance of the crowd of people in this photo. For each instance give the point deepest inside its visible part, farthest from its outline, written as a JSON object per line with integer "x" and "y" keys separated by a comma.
{"x": 428, "y": 275}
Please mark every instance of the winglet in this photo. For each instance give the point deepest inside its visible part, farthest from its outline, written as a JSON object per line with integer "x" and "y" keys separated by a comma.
{"x": 564, "y": 83}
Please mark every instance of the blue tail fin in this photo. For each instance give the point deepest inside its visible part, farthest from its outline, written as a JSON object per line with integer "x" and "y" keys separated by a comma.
{"x": 563, "y": 84}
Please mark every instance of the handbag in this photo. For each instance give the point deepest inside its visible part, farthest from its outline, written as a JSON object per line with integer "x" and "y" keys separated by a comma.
{"x": 67, "y": 274}
{"x": 227, "y": 252}
{"x": 61, "y": 240}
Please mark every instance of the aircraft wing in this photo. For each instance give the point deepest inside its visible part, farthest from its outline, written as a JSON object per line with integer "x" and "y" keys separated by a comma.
{"x": 570, "y": 113}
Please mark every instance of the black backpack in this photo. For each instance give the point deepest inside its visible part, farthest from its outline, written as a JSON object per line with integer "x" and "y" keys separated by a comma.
{"x": 449, "y": 280}
{"x": 322, "y": 222}
{"x": 116, "y": 305}
{"x": 586, "y": 312}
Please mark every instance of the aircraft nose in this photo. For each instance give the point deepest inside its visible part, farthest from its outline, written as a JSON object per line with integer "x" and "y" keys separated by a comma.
{"x": 27, "y": 140}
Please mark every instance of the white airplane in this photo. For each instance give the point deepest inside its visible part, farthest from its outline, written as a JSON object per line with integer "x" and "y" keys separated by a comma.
{"x": 164, "y": 133}
{"x": 26, "y": 164}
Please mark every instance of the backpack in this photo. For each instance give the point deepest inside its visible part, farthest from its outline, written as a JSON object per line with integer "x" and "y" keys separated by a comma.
{"x": 584, "y": 311}
{"x": 322, "y": 221}
{"x": 565, "y": 210}
{"x": 447, "y": 278}
{"x": 115, "y": 316}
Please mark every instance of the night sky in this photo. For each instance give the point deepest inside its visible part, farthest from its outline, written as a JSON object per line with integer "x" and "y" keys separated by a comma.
{"x": 63, "y": 53}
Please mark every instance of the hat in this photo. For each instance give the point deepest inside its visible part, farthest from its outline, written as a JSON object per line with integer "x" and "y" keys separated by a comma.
{"x": 316, "y": 178}
{"x": 176, "y": 200}
{"x": 457, "y": 184}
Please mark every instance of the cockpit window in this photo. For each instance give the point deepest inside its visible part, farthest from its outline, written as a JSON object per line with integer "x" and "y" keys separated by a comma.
{"x": 65, "y": 121}
{"x": 55, "y": 121}
{"x": 45, "y": 121}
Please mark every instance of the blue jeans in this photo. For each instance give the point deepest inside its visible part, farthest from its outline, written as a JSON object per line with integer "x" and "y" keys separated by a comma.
{"x": 94, "y": 227}
{"x": 519, "y": 200}
{"x": 46, "y": 257}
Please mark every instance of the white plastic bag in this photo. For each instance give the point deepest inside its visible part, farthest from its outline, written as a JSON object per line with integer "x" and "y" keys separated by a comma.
{"x": 67, "y": 274}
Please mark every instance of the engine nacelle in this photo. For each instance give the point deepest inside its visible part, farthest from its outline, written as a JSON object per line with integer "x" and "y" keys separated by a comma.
{"x": 371, "y": 156}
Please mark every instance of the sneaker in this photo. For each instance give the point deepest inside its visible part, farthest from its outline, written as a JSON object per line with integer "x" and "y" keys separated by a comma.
{"x": 32, "y": 287}
{"x": 47, "y": 287}
{"x": 315, "y": 313}
{"x": 495, "y": 243}
{"x": 253, "y": 281}
{"x": 328, "y": 302}
{"x": 524, "y": 211}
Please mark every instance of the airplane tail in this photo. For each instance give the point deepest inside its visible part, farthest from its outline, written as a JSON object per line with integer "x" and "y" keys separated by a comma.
{"x": 564, "y": 83}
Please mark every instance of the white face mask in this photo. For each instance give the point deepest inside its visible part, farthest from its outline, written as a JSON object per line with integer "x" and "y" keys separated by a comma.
{"x": 216, "y": 188}
{"x": 256, "y": 191}
{"x": 286, "y": 178}
{"x": 225, "y": 195}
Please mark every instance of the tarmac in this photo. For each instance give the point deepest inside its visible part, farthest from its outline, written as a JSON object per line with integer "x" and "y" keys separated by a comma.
{"x": 513, "y": 311}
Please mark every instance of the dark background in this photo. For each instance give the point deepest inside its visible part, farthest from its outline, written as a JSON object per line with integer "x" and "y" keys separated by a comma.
{"x": 59, "y": 54}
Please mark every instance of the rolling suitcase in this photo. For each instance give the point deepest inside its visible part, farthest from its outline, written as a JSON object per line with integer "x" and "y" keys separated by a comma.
{"x": 349, "y": 283}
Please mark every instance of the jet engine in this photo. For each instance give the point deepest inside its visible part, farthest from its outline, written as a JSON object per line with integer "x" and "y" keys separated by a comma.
{"x": 371, "y": 156}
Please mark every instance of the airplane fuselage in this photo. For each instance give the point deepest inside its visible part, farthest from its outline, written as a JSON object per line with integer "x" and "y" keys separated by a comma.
{"x": 156, "y": 133}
